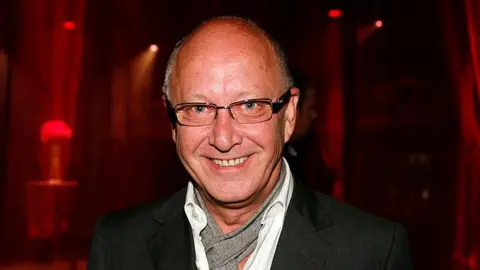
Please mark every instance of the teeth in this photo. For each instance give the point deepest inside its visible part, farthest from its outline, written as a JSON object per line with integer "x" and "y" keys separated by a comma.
{"x": 229, "y": 162}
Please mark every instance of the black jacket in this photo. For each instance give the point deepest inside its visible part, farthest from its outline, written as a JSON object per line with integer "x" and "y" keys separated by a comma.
{"x": 319, "y": 233}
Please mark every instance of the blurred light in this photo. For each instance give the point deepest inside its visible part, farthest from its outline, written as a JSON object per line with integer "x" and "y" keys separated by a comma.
{"x": 55, "y": 128}
{"x": 153, "y": 48}
{"x": 379, "y": 23}
{"x": 335, "y": 13}
{"x": 425, "y": 194}
{"x": 69, "y": 25}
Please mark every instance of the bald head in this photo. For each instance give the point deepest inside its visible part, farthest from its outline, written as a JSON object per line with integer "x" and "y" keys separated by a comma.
{"x": 231, "y": 39}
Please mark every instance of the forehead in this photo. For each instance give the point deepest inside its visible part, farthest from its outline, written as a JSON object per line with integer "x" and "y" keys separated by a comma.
{"x": 224, "y": 63}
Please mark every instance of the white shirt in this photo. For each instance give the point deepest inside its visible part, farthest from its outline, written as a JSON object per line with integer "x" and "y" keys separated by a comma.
{"x": 272, "y": 221}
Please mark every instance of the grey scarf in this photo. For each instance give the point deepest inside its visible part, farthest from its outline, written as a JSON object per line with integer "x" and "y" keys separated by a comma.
{"x": 225, "y": 251}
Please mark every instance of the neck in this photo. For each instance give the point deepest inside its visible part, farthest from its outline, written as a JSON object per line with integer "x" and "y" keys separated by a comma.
{"x": 229, "y": 220}
{"x": 231, "y": 217}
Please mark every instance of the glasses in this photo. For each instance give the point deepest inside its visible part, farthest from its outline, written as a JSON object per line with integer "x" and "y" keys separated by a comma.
{"x": 249, "y": 111}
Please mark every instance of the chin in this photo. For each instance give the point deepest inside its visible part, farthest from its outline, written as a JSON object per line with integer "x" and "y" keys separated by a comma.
{"x": 232, "y": 194}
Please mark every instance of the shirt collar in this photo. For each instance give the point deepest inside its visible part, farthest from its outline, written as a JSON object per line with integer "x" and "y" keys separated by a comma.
{"x": 283, "y": 197}
{"x": 190, "y": 197}
{"x": 194, "y": 212}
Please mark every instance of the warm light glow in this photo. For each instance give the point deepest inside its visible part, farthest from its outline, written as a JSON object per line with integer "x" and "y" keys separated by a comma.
{"x": 69, "y": 25}
{"x": 335, "y": 13}
{"x": 153, "y": 48}
{"x": 378, "y": 23}
{"x": 55, "y": 128}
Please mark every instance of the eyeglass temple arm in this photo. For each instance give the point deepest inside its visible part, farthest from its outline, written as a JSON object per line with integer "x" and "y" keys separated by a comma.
{"x": 284, "y": 99}
{"x": 171, "y": 112}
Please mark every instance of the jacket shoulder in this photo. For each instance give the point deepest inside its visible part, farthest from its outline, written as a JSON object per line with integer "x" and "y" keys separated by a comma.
{"x": 136, "y": 219}
{"x": 359, "y": 229}
{"x": 352, "y": 219}
{"x": 344, "y": 212}
{"x": 366, "y": 237}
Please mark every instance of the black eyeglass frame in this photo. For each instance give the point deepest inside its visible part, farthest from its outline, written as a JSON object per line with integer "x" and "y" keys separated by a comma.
{"x": 276, "y": 107}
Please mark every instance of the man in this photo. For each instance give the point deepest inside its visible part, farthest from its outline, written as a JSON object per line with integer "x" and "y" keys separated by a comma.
{"x": 229, "y": 96}
{"x": 304, "y": 156}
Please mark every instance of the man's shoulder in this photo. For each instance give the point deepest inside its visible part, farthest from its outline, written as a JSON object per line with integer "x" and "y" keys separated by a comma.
{"x": 356, "y": 235}
{"x": 138, "y": 218}
{"x": 353, "y": 222}
{"x": 344, "y": 211}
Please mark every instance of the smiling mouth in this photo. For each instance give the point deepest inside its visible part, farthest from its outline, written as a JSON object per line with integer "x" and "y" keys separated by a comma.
{"x": 229, "y": 162}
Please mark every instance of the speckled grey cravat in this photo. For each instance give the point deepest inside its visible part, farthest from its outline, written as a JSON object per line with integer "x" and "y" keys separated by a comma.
{"x": 225, "y": 251}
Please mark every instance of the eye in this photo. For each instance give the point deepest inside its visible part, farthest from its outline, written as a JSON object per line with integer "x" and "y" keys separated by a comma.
{"x": 196, "y": 109}
{"x": 199, "y": 108}
{"x": 250, "y": 105}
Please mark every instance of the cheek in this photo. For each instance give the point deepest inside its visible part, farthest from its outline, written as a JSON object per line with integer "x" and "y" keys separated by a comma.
{"x": 267, "y": 135}
{"x": 189, "y": 139}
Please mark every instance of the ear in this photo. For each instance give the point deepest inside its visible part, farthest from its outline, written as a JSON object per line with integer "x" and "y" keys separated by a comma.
{"x": 291, "y": 114}
{"x": 174, "y": 134}
{"x": 172, "y": 126}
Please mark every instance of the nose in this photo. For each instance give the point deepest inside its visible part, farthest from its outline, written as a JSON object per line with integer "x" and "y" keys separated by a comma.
{"x": 225, "y": 134}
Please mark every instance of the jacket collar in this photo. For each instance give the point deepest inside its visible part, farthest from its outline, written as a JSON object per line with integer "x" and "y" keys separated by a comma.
{"x": 301, "y": 244}
{"x": 172, "y": 245}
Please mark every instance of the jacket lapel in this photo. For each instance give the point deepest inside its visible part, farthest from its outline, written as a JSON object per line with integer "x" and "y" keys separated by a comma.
{"x": 301, "y": 244}
{"x": 172, "y": 245}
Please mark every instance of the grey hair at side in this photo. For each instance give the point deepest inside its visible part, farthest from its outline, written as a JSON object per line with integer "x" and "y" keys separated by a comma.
{"x": 281, "y": 58}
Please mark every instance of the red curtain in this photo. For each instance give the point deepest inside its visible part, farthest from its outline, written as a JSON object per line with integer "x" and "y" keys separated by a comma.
{"x": 334, "y": 58}
{"x": 44, "y": 83}
{"x": 462, "y": 34}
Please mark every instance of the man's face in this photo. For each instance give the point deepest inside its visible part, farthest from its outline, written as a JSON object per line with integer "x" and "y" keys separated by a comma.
{"x": 223, "y": 70}
{"x": 307, "y": 113}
